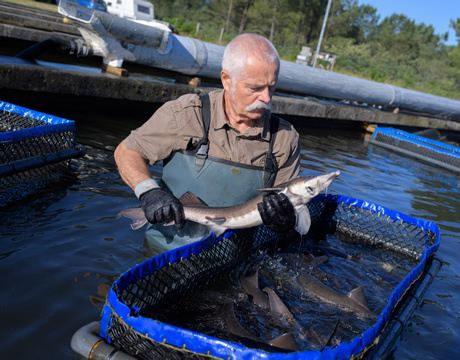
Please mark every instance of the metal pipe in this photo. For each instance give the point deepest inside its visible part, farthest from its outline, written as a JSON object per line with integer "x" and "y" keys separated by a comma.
{"x": 322, "y": 32}
{"x": 89, "y": 345}
{"x": 193, "y": 57}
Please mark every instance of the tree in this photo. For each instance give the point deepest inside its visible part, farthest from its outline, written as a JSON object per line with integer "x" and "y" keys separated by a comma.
{"x": 456, "y": 26}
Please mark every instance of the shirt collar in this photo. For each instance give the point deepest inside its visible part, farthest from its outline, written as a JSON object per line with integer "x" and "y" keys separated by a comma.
{"x": 262, "y": 128}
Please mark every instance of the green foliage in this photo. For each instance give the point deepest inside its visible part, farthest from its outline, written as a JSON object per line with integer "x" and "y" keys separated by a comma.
{"x": 393, "y": 50}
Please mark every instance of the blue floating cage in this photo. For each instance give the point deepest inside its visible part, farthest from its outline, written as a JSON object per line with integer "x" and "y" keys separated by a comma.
{"x": 35, "y": 148}
{"x": 425, "y": 149}
{"x": 139, "y": 297}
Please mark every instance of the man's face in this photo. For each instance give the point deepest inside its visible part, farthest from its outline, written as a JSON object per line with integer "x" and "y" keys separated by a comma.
{"x": 250, "y": 94}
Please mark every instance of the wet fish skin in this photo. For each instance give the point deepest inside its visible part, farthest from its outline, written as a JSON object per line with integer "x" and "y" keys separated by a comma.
{"x": 354, "y": 300}
{"x": 280, "y": 311}
{"x": 277, "y": 307}
{"x": 250, "y": 284}
{"x": 284, "y": 342}
{"x": 332, "y": 251}
{"x": 218, "y": 219}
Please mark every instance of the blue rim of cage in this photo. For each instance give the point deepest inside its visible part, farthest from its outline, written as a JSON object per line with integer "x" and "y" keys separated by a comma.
{"x": 54, "y": 125}
{"x": 208, "y": 345}
{"x": 432, "y": 144}
{"x": 58, "y": 124}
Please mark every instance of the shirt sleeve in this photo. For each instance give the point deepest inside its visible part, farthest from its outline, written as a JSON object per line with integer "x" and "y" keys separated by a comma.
{"x": 172, "y": 127}
{"x": 287, "y": 153}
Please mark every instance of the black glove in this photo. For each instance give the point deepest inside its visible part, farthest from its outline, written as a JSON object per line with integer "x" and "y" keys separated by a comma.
{"x": 160, "y": 206}
{"x": 277, "y": 212}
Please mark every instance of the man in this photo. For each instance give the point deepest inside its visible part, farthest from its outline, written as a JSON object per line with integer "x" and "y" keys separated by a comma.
{"x": 222, "y": 148}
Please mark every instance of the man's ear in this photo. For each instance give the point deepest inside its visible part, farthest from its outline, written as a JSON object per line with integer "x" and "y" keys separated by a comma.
{"x": 226, "y": 80}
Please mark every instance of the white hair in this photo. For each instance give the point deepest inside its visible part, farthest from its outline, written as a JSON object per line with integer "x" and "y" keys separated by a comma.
{"x": 243, "y": 46}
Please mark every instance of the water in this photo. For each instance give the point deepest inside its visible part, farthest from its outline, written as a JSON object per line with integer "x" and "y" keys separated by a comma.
{"x": 313, "y": 322}
{"x": 60, "y": 252}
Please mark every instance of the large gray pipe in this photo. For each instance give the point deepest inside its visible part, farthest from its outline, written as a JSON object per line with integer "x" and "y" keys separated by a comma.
{"x": 193, "y": 57}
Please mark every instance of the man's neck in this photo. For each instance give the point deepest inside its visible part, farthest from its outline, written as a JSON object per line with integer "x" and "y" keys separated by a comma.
{"x": 238, "y": 123}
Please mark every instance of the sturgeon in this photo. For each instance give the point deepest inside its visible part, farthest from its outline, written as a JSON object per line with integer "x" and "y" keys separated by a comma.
{"x": 299, "y": 191}
{"x": 284, "y": 342}
{"x": 354, "y": 300}
{"x": 250, "y": 284}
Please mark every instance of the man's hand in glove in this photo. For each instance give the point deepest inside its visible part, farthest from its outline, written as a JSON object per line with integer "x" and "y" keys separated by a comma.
{"x": 277, "y": 212}
{"x": 160, "y": 206}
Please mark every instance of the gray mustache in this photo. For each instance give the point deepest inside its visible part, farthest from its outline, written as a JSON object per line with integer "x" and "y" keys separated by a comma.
{"x": 258, "y": 105}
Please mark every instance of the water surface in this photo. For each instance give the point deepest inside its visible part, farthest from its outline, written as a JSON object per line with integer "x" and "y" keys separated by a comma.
{"x": 60, "y": 251}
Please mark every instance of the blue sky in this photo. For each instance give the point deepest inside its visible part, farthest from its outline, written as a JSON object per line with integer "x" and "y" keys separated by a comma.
{"x": 431, "y": 12}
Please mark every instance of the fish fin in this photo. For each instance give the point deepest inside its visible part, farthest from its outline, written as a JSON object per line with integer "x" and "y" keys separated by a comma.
{"x": 308, "y": 257}
{"x": 217, "y": 230}
{"x": 357, "y": 295}
{"x": 136, "y": 215}
{"x": 189, "y": 198}
{"x": 303, "y": 220}
{"x": 356, "y": 257}
{"x": 251, "y": 281}
{"x": 216, "y": 220}
{"x": 320, "y": 259}
{"x": 285, "y": 341}
{"x": 330, "y": 341}
{"x": 277, "y": 307}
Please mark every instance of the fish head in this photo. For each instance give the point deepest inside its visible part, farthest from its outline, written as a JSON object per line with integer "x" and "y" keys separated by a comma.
{"x": 303, "y": 189}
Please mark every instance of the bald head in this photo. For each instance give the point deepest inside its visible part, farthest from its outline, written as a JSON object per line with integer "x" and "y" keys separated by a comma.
{"x": 244, "y": 48}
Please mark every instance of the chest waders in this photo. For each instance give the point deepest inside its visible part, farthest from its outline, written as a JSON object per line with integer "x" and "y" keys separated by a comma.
{"x": 215, "y": 181}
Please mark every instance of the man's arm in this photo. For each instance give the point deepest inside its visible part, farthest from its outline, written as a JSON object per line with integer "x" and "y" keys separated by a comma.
{"x": 131, "y": 165}
{"x": 158, "y": 205}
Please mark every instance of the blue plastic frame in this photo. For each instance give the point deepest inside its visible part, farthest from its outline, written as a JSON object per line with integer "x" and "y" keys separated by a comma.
{"x": 204, "y": 344}
{"x": 432, "y": 144}
{"x": 58, "y": 124}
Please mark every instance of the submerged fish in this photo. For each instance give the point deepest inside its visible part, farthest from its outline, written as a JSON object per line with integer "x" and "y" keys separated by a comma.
{"x": 218, "y": 219}
{"x": 280, "y": 311}
{"x": 278, "y": 308}
{"x": 250, "y": 284}
{"x": 284, "y": 342}
{"x": 354, "y": 300}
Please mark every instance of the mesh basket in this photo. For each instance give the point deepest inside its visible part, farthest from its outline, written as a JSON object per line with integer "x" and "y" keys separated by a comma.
{"x": 430, "y": 151}
{"x": 166, "y": 282}
{"x": 35, "y": 148}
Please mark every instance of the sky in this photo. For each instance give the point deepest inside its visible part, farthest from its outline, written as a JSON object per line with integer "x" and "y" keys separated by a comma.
{"x": 431, "y": 12}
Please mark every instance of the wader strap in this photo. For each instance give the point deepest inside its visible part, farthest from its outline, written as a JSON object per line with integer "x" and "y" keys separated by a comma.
{"x": 271, "y": 166}
{"x": 202, "y": 152}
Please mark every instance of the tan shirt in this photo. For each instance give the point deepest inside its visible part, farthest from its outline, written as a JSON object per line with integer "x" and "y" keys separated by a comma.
{"x": 178, "y": 122}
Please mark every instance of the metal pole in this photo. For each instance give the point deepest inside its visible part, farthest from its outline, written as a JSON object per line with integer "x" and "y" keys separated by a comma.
{"x": 322, "y": 32}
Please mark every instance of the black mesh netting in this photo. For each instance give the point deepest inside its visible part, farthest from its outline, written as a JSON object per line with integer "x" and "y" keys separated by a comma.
{"x": 168, "y": 288}
{"x": 26, "y": 144}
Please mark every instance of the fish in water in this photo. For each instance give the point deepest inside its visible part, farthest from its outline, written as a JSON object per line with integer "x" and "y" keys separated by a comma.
{"x": 284, "y": 342}
{"x": 250, "y": 284}
{"x": 278, "y": 308}
{"x": 354, "y": 300}
{"x": 280, "y": 311}
{"x": 218, "y": 219}
{"x": 325, "y": 249}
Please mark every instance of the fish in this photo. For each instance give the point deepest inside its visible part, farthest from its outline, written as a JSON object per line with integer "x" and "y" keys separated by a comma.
{"x": 250, "y": 284}
{"x": 285, "y": 342}
{"x": 280, "y": 312}
{"x": 332, "y": 251}
{"x": 278, "y": 309}
{"x": 354, "y": 300}
{"x": 299, "y": 191}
